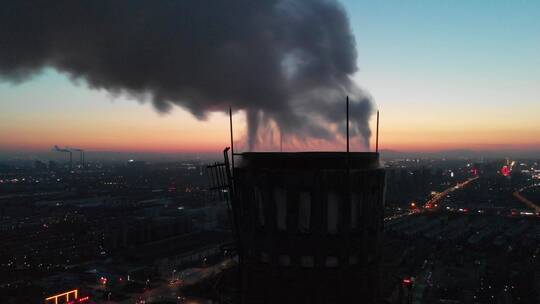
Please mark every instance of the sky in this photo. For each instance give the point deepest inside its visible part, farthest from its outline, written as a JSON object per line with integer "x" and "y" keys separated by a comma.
{"x": 444, "y": 74}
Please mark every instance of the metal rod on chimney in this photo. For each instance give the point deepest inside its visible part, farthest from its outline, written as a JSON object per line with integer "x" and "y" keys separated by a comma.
{"x": 377, "y": 134}
{"x": 280, "y": 140}
{"x": 348, "y": 158}
{"x": 347, "y": 124}
{"x": 232, "y": 140}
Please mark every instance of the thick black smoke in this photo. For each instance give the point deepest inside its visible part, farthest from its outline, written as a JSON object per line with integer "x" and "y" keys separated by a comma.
{"x": 286, "y": 62}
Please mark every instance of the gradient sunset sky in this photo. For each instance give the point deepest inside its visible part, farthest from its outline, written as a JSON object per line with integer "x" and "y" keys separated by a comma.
{"x": 445, "y": 75}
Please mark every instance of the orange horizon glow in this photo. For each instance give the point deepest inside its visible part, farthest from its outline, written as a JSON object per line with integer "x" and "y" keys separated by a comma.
{"x": 390, "y": 141}
{"x": 181, "y": 133}
{"x": 125, "y": 126}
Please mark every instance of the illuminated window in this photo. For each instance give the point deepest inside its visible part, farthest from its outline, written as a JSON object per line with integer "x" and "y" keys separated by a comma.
{"x": 280, "y": 197}
{"x": 331, "y": 262}
{"x": 307, "y": 262}
{"x": 260, "y": 206}
{"x": 284, "y": 260}
{"x": 304, "y": 212}
{"x": 332, "y": 213}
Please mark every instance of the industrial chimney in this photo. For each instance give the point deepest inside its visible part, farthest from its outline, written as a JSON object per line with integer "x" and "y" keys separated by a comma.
{"x": 309, "y": 226}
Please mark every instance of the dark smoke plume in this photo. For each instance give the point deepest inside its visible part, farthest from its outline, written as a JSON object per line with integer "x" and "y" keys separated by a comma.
{"x": 286, "y": 63}
{"x": 58, "y": 149}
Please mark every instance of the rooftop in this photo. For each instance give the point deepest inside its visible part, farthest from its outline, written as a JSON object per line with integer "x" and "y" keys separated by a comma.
{"x": 309, "y": 160}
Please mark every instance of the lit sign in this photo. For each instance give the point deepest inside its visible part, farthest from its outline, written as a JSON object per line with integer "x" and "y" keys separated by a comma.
{"x": 505, "y": 171}
{"x": 67, "y": 295}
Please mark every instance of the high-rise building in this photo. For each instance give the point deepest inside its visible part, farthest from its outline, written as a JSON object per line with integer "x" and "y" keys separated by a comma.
{"x": 310, "y": 226}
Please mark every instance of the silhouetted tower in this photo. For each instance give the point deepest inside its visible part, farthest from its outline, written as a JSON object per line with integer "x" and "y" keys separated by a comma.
{"x": 81, "y": 156}
{"x": 70, "y": 160}
{"x": 309, "y": 226}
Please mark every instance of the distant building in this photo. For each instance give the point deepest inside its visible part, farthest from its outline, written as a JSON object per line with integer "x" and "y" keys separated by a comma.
{"x": 40, "y": 166}
{"x": 53, "y": 166}
{"x": 310, "y": 226}
{"x": 136, "y": 164}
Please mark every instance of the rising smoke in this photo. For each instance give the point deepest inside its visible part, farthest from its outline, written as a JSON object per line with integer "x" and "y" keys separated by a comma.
{"x": 286, "y": 63}
{"x": 58, "y": 149}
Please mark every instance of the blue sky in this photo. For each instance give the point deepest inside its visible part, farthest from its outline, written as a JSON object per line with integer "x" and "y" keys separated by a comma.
{"x": 479, "y": 45}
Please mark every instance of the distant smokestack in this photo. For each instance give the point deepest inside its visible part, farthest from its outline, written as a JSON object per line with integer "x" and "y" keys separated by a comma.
{"x": 286, "y": 64}
{"x": 81, "y": 156}
{"x": 58, "y": 149}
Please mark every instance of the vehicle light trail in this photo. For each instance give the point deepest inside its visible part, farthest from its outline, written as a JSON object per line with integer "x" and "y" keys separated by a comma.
{"x": 434, "y": 201}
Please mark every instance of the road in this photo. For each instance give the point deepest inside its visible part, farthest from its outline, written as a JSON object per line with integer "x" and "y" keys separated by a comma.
{"x": 526, "y": 201}
{"x": 173, "y": 291}
{"x": 433, "y": 203}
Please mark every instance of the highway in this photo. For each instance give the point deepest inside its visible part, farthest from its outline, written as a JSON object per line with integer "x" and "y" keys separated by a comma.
{"x": 433, "y": 203}
{"x": 526, "y": 201}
